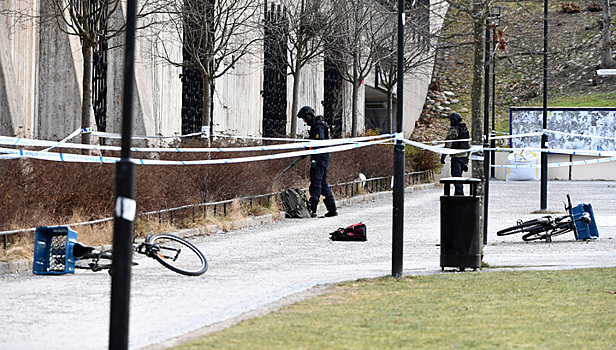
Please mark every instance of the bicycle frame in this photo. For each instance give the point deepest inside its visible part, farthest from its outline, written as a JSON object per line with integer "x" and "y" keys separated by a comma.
{"x": 547, "y": 226}
{"x": 82, "y": 252}
{"x": 150, "y": 250}
{"x": 568, "y": 210}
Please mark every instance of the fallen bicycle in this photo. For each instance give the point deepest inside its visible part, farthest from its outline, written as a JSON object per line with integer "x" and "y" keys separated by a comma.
{"x": 579, "y": 219}
{"x": 57, "y": 251}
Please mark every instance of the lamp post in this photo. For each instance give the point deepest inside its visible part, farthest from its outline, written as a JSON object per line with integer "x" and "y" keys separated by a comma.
{"x": 486, "y": 129}
{"x": 123, "y": 223}
{"x": 495, "y": 13}
{"x": 544, "y": 137}
{"x": 398, "y": 205}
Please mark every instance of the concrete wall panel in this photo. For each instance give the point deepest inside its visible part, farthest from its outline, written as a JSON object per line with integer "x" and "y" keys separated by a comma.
{"x": 59, "y": 93}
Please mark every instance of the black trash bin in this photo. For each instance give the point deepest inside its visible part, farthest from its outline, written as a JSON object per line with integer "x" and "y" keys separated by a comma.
{"x": 461, "y": 238}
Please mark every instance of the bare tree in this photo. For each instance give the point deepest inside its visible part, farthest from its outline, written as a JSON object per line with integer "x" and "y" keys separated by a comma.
{"x": 91, "y": 22}
{"x": 418, "y": 52}
{"x": 307, "y": 23}
{"x": 606, "y": 35}
{"x": 468, "y": 18}
{"x": 216, "y": 34}
{"x": 357, "y": 43}
{"x": 94, "y": 22}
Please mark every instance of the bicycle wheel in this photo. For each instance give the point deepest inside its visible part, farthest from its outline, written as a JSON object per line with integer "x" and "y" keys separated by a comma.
{"x": 533, "y": 236}
{"x": 527, "y": 226}
{"x": 563, "y": 225}
{"x": 178, "y": 255}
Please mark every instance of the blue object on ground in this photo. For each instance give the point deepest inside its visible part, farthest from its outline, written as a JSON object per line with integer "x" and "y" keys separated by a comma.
{"x": 584, "y": 230}
{"x": 53, "y": 250}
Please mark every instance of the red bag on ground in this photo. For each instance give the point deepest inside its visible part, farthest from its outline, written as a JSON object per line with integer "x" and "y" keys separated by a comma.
{"x": 355, "y": 232}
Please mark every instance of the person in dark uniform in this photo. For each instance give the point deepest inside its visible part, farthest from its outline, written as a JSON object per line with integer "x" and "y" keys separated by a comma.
{"x": 459, "y": 161}
{"x": 318, "y": 164}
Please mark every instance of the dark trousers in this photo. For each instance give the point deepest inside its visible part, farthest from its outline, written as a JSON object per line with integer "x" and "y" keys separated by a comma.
{"x": 319, "y": 187}
{"x": 457, "y": 164}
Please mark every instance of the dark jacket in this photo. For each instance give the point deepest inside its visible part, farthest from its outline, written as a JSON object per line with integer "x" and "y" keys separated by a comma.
{"x": 319, "y": 131}
{"x": 458, "y": 131}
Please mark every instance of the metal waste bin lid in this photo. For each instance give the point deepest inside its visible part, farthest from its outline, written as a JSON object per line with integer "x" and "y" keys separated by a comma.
{"x": 473, "y": 182}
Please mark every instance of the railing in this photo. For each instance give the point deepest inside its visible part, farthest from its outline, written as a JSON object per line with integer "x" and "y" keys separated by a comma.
{"x": 220, "y": 209}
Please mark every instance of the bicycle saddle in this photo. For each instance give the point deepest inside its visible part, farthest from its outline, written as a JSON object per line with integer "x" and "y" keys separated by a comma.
{"x": 79, "y": 250}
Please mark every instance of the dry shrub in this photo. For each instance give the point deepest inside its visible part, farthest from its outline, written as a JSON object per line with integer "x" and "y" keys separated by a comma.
{"x": 569, "y": 7}
{"x": 418, "y": 159}
{"x": 44, "y": 193}
{"x": 41, "y": 193}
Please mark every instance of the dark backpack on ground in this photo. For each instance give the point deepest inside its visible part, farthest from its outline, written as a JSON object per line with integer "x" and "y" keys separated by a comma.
{"x": 355, "y": 232}
{"x": 295, "y": 203}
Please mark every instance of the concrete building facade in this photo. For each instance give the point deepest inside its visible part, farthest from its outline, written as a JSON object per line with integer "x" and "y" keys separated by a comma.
{"x": 41, "y": 72}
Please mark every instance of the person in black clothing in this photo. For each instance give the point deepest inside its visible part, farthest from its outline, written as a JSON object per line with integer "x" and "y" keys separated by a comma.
{"x": 318, "y": 164}
{"x": 459, "y": 161}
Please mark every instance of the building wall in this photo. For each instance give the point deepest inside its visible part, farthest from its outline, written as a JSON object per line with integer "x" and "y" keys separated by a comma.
{"x": 238, "y": 104}
{"x": 18, "y": 67}
{"x": 41, "y": 75}
{"x": 58, "y": 92}
{"x": 603, "y": 171}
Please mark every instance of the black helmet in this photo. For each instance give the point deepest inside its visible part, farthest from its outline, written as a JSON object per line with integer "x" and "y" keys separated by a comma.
{"x": 455, "y": 118}
{"x": 307, "y": 114}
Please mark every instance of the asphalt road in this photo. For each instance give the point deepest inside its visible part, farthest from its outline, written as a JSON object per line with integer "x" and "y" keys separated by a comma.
{"x": 253, "y": 270}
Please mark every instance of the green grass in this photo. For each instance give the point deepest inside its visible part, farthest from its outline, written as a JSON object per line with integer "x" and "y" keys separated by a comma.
{"x": 571, "y": 309}
{"x": 584, "y": 100}
{"x": 579, "y": 100}
{"x": 588, "y": 100}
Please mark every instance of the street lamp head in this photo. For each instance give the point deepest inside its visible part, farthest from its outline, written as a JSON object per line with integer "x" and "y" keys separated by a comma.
{"x": 495, "y": 14}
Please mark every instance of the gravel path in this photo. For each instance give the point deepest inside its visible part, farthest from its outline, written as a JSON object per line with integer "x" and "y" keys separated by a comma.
{"x": 257, "y": 269}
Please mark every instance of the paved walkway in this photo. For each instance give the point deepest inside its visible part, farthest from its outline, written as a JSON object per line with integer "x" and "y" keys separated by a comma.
{"x": 253, "y": 270}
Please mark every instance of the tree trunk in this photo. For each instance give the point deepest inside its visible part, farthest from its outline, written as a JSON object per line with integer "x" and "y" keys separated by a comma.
{"x": 354, "y": 102}
{"x": 295, "y": 103}
{"x": 354, "y": 106}
{"x": 390, "y": 110}
{"x": 206, "y": 119}
{"x": 606, "y": 52}
{"x": 86, "y": 98}
{"x": 477, "y": 93}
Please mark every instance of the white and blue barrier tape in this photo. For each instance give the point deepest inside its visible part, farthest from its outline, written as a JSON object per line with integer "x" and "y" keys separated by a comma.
{"x": 69, "y": 157}
{"x": 323, "y": 146}
{"x": 559, "y": 164}
{"x": 581, "y": 152}
{"x": 14, "y": 141}
{"x": 440, "y": 149}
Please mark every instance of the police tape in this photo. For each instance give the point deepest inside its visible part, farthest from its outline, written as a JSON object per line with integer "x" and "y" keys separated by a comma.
{"x": 606, "y": 156}
{"x": 528, "y": 134}
{"x": 24, "y": 142}
{"x": 441, "y": 150}
{"x": 257, "y": 138}
{"x": 494, "y": 137}
{"x": 69, "y": 157}
{"x": 138, "y": 137}
{"x": 547, "y": 131}
{"x": 558, "y": 164}
{"x": 325, "y": 146}
{"x": 581, "y": 152}
{"x": 580, "y": 135}
{"x": 111, "y": 135}
{"x": 70, "y": 136}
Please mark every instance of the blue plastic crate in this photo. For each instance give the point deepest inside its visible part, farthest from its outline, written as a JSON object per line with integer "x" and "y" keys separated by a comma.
{"x": 53, "y": 250}
{"x": 585, "y": 231}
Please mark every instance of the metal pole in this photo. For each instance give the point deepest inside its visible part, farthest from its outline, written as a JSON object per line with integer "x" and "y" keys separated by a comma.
{"x": 544, "y": 137}
{"x": 486, "y": 132}
{"x": 398, "y": 214}
{"x": 124, "y": 213}
{"x": 493, "y": 61}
